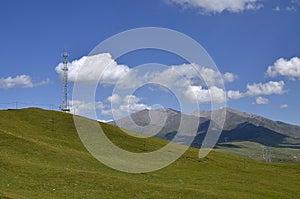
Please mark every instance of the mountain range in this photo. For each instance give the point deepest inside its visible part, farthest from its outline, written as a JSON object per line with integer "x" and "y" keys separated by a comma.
{"x": 243, "y": 133}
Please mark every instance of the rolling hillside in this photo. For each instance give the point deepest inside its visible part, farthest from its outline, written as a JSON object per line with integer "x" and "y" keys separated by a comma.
{"x": 43, "y": 157}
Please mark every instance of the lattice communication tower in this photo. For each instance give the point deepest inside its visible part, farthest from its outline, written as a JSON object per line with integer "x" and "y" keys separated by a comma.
{"x": 65, "y": 103}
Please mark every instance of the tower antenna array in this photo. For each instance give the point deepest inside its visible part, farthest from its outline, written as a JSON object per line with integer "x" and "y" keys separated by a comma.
{"x": 65, "y": 103}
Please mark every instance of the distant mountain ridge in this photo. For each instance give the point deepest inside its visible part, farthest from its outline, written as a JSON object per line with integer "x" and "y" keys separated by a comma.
{"x": 235, "y": 118}
{"x": 239, "y": 127}
{"x": 164, "y": 122}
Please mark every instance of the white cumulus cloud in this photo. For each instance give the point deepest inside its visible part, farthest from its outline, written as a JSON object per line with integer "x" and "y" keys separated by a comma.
{"x": 258, "y": 90}
{"x": 113, "y": 105}
{"x": 235, "y": 94}
{"x": 115, "y": 98}
{"x": 93, "y": 68}
{"x": 202, "y": 95}
{"x": 283, "y": 67}
{"x": 197, "y": 83}
{"x": 269, "y": 88}
{"x": 229, "y": 77}
{"x": 219, "y": 6}
{"x": 131, "y": 103}
{"x": 261, "y": 100}
{"x": 20, "y": 81}
{"x": 85, "y": 108}
{"x": 192, "y": 74}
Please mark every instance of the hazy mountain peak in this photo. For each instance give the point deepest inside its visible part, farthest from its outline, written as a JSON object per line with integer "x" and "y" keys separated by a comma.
{"x": 229, "y": 111}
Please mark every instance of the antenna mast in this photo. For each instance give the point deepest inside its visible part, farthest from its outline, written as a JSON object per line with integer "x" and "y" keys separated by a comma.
{"x": 65, "y": 103}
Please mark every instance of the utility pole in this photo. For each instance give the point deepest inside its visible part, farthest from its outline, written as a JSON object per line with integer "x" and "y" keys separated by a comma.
{"x": 266, "y": 154}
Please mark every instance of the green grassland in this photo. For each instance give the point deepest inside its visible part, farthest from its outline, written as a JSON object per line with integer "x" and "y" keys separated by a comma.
{"x": 253, "y": 150}
{"x": 43, "y": 157}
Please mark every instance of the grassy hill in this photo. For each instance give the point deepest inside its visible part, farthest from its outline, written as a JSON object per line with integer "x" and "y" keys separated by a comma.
{"x": 43, "y": 157}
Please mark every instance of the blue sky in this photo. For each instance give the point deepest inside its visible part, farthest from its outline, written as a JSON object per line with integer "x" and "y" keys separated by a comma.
{"x": 243, "y": 38}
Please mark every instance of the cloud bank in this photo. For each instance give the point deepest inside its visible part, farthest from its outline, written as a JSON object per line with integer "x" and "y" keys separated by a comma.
{"x": 213, "y": 6}
{"x": 198, "y": 83}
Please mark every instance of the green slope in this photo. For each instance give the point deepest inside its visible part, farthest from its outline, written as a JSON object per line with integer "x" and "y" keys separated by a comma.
{"x": 42, "y": 157}
{"x": 254, "y": 150}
